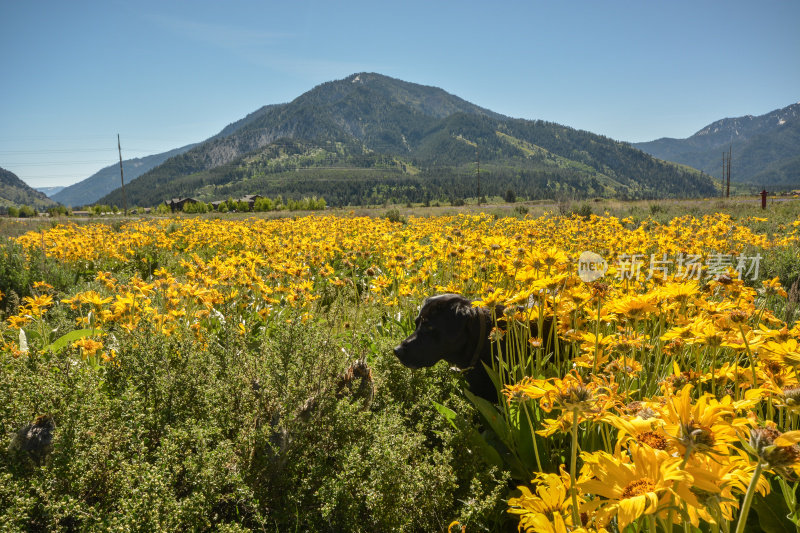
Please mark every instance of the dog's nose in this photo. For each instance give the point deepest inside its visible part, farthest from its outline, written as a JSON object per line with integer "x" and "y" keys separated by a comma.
{"x": 398, "y": 351}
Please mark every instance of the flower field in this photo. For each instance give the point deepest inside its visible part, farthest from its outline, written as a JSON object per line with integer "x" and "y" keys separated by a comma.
{"x": 238, "y": 375}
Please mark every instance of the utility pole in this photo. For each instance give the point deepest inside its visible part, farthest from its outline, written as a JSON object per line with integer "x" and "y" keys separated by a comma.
{"x": 478, "y": 174}
{"x": 726, "y": 173}
{"x": 730, "y": 150}
{"x": 121, "y": 178}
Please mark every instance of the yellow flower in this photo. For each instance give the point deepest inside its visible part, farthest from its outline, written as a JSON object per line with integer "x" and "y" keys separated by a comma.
{"x": 88, "y": 347}
{"x": 679, "y": 291}
{"x": 717, "y": 484}
{"x": 635, "y": 487}
{"x": 18, "y": 321}
{"x": 639, "y": 431}
{"x": 706, "y": 426}
{"x": 550, "y": 509}
{"x": 773, "y": 286}
{"x": 634, "y": 307}
{"x": 496, "y": 297}
{"x": 787, "y": 352}
{"x": 37, "y": 304}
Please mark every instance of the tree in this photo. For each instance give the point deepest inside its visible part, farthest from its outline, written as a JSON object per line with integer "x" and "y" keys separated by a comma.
{"x": 510, "y": 197}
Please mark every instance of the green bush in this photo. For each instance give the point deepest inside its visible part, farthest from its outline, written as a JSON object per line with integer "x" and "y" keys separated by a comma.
{"x": 393, "y": 215}
{"x": 19, "y": 271}
{"x": 242, "y": 433}
{"x": 59, "y": 210}
{"x": 585, "y": 211}
{"x": 27, "y": 211}
{"x": 264, "y": 204}
{"x": 195, "y": 207}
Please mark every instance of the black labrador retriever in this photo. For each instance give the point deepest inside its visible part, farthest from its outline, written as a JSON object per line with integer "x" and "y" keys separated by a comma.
{"x": 450, "y": 328}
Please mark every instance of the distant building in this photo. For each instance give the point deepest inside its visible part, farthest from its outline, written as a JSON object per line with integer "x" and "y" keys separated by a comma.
{"x": 250, "y": 199}
{"x": 176, "y": 204}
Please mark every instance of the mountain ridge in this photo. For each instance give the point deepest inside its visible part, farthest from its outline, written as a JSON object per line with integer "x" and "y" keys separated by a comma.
{"x": 763, "y": 147}
{"x": 15, "y": 192}
{"x": 374, "y": 119}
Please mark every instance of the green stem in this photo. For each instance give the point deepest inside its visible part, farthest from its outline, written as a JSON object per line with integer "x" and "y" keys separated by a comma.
{"x": 651, "y": 523}
{"x": 748, "y": 499}
{"x": 573, "y": 464}
{"x": 596, "y": 335}
{"x": 533, "y": 436}
{"x": 675, "y": 486}
{"x": 750, "y": 357}
{"x": 714, "y": 373}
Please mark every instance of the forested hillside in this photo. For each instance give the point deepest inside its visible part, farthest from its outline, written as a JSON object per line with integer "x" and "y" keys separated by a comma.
{"x": 370, "y": 138}
{"x": 15, "y": 192}
{"x": 764, "y": 148}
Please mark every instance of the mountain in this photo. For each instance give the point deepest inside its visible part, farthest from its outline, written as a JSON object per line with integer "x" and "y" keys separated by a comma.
{"x": 50, "y": 191}
{"x": 765, "y": 149}
{"x": 107, "y": 179}
{"x": 14, "y": 191}
{"x": 369, "y": 138}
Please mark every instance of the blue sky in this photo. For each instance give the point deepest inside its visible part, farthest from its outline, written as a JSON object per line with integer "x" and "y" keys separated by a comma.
{"x": 166, "y": 73}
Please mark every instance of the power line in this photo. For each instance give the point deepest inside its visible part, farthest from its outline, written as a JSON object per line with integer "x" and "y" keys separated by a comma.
{"x": 77, "y": 150}
{"x": 58, "y": 163}
{"x": 50, "y": 177}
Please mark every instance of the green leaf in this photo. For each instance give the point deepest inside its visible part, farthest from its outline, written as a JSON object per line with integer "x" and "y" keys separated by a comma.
{"x": 493, "y": 417}
{"x": 446, "y": 412}
{"x": 494, "y": 376}
{"x": 486, "y": 450}
{"x": 32, "y": 336}
{"x": 61, "y": 342}
{"x": 772, "y": 513}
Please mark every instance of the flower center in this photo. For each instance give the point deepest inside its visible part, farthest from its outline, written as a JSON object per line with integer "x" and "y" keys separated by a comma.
{"x": 698, "y": 435}
{"x": 638, "y": 487}
{"x": 652, "y": 439}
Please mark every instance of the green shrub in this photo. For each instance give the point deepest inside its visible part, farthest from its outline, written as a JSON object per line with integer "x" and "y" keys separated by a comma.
{"x": 242, "y": 433}
{"x": 393, "y": 215}
{"x": 27, "y": 211}
{"x": 195, "y": 207}
{"x": 585, "y": 211}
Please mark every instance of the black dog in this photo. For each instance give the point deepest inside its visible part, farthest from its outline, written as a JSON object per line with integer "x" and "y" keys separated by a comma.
{"x": 450, "y": 328}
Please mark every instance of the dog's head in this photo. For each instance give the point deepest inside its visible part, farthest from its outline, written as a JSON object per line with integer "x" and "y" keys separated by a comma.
{"x": 443, "y": 331}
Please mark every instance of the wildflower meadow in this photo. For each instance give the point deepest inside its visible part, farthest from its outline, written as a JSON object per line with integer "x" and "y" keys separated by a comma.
{"x": 210, "y": 373}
